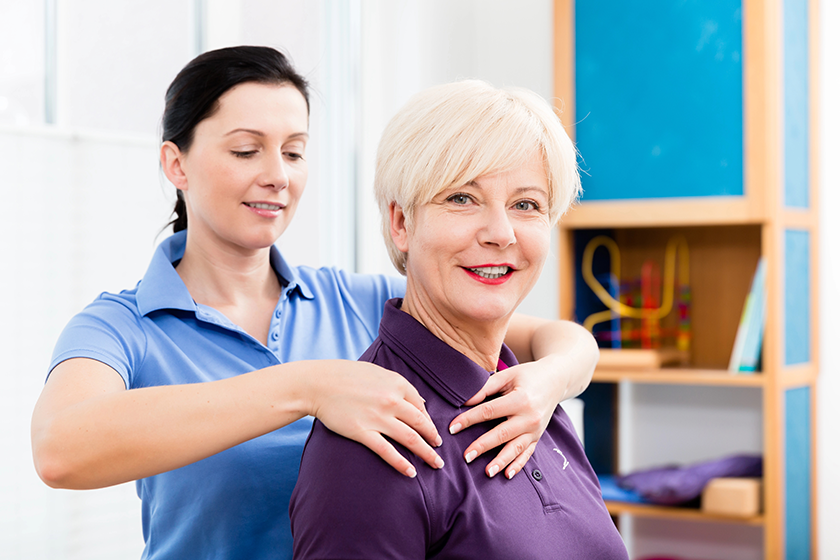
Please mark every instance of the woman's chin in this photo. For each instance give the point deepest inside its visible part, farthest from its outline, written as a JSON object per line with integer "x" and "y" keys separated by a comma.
{"x": 489, "y": 313}
{"x": 262, "y": 238}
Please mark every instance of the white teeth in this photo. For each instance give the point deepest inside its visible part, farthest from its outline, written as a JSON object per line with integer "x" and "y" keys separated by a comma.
{"x": 491, "y": 272}
{"x": 263, "y": 206}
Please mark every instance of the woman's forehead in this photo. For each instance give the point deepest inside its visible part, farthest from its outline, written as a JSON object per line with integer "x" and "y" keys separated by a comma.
{"x": 255, "y": 106}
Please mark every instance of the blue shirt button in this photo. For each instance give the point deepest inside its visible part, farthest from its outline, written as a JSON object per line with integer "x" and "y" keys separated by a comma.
{"x": 277, "y": 313}
{"x": 275, "y": 335}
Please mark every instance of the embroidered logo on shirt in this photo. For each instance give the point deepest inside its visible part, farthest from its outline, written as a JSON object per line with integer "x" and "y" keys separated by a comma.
{"x": 565, "y": 461}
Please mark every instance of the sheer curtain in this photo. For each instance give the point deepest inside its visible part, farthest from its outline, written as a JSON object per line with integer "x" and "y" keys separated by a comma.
{"x": 84, "y": 205}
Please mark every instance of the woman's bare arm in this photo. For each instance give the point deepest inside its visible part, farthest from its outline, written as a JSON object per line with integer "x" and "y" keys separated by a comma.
{"x": 564, "y": 354}
{"x": 88, "y": 431}
{"x": 571, "y": 347}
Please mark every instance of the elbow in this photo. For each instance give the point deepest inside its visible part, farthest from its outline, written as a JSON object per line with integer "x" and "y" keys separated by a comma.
{"x": 52, "y": 460}
{"x": 590, "y": 355}
{"x": 52, "y": 469}
{"x": 595, "y": 353}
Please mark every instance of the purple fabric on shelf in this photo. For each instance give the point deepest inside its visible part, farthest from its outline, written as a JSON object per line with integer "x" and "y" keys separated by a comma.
{"x": 677, "y": 485}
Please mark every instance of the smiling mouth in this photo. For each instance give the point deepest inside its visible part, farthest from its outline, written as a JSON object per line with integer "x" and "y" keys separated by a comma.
{"x": 264, "y": 206}
{"x": 491, "y": 272}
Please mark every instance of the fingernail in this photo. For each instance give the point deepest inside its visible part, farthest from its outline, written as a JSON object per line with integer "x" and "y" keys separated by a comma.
{"x": 438, "y": 441}
{"x": 455, "y": 428}
{"x": 411, "y": 472}
{"x": 438, "y": 463}
{"x": 493, "y": 470}
{"x": 510, "y": 474}
{"x": 470, "y": 456}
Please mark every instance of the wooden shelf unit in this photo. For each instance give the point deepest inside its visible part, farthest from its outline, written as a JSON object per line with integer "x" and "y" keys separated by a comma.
{"x": 686, "y": 514}
{"x": 680, "y": 376}
{"x": 726, "y": 236}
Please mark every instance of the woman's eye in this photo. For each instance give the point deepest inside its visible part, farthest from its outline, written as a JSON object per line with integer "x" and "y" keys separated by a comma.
{"x": 459, "y": 199}
{"x": 525, "y": 205}
{"x": 244, "y": 154}
{"x": 294, "y": 155}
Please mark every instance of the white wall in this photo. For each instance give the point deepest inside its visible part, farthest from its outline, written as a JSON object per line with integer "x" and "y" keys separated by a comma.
{"x": 828, "y": 413}
{"x": 80, "y": 215}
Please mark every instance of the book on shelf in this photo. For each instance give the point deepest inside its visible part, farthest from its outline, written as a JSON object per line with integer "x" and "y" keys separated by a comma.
{"x": 746, "y": 352}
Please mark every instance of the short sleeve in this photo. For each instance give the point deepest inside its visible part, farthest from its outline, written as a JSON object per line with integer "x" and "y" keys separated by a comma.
{"x": 108, "y": 330}
{"x": 350, "y": 504}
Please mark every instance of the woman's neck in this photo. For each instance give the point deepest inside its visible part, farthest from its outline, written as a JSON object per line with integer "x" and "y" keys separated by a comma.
{"x": 479, "y": 341}
{"x": 239, "y": 284}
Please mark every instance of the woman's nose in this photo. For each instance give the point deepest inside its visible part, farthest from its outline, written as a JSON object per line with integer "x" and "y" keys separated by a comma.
{"x": 275, "y": 175}
{"x": 497, "y": 229}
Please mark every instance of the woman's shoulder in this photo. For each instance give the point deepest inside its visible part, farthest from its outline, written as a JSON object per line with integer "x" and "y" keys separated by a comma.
{"x": 113, "y": 305}
{"x": 362, "y": 294}
{"x": 109, "y": 330}
{"x": 331, "y": 277}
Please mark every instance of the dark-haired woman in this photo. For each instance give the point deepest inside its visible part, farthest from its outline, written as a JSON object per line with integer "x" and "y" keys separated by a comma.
{"x": 200, "y": 382}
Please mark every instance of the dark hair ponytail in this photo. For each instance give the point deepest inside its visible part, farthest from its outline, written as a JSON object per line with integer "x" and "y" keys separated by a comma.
{"x": 180, "y": 212}
{"x": 194, "y": 94}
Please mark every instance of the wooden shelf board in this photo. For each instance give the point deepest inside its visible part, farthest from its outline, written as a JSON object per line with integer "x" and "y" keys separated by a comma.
{"x": 683, "y": 376}
{"x": 798, "y": 375}
{"x": 687, "y": 514}
{"x": 663, "y": 212}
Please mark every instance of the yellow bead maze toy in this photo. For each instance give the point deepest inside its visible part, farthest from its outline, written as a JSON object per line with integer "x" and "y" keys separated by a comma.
{"x": 639, "y": 304}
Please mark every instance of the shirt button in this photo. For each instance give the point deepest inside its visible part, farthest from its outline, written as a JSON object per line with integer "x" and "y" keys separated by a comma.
{"x": 277, "y": 313}
{"x": 536, "y": 474}
{"x": 275, "y": 335}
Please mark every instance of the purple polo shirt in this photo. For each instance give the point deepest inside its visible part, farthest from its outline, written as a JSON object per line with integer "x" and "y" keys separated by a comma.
{"x": 348, "y": 503}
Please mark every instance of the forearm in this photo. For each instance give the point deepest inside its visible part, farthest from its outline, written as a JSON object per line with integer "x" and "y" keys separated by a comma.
{"x": 107, "y": 437}
{"x": 89, "y": 432}
{"x": 567, "y": 347}
{"x": 572, "y": 349}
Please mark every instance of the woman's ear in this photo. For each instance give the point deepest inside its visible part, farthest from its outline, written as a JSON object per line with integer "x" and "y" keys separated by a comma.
{"x": 399, "y": 233}
{"x": 171, "y": 161}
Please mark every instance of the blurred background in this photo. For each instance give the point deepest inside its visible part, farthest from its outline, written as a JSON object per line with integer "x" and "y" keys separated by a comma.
{"x": 84, "y": 204}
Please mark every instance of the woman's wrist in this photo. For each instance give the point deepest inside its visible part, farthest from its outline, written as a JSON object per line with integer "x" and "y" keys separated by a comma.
{"x": 296, "y": 388}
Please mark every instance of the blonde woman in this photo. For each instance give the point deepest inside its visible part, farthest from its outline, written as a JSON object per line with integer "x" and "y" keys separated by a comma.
{"x": 470, "y": 180}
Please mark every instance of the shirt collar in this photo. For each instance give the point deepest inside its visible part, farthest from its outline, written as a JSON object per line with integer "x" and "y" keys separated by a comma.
{"x": 162, "y": 288}
{"x": 453, "y": 375}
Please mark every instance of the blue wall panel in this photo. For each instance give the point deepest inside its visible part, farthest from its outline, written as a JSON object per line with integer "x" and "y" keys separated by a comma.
{"x": 659, "y": 98}
{"x": 796, "y": 126}
{"x": 798, "y": 474}
{"x": 797, "y": 283}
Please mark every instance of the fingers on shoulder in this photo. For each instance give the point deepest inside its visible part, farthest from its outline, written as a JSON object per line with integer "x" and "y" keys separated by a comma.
{"x": 379, "y": 445}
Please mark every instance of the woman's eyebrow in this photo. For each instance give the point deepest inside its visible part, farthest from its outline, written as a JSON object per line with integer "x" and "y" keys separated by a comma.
{"x": 531, "y": 189}
{"x": 519, "y": 190}
{"x": 248, "y": 130}
{"x": 260, "y": 133}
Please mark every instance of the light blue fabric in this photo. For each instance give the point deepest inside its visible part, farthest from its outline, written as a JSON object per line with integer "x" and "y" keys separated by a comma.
{"x": 235, "y": 503}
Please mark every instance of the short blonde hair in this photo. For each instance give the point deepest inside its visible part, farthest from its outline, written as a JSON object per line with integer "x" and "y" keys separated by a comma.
{"x": 455, "y": 133}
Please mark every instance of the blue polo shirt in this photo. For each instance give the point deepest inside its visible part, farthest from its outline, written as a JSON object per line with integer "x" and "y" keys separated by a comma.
{"x": 233, "y": 504}
{"x": 349, "y": 504}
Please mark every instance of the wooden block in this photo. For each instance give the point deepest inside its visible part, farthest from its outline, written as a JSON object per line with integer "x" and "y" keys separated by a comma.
{"x": 636, "y": 358}
{"x": 736, "y": 497}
